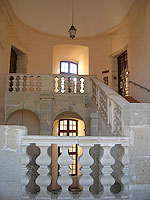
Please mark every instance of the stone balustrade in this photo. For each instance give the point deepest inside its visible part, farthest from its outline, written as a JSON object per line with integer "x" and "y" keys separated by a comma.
{"x": 107, "y": 159}
{"x": 110, "y": 105}
{"x": 54, "y": 83}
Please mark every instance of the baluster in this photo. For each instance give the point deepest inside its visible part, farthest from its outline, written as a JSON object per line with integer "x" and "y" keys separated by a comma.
{"x": 14, "y": 83}
{"x": 82, "y": 86}
{"x": 43, "y": 180}
{"x": 125, "y": 170}
{"x": 107, "y": 180}
{"x": 39, "y": 82}
{"x": 34, "y": 83}
{"x": 65, "y": 179}
{"x": 21, "y": 83}
{"x": 66, "y": 84}
{"x": 59, "y": 85}
{"x": 28, "y": 84}
{"x": 71, "y": 85}
{"x": 24, "y": 161}
{"x": 78, "y": 85}
{"x": 85, "y": 179}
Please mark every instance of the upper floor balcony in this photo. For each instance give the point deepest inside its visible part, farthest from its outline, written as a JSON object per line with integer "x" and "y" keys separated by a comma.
{"x": 54, "y": 86}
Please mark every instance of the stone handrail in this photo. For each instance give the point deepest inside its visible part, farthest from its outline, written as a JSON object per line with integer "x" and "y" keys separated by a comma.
{"x": 110, "y": 104}
{"x": 54, "y": 83}
{"x": 43, "y": 161}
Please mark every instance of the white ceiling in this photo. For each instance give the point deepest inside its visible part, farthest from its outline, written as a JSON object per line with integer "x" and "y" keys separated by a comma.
{"x": 91, "y": 17}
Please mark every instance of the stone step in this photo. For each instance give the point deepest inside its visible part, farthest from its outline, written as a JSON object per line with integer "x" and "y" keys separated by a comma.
{"x": 131, "y": 99}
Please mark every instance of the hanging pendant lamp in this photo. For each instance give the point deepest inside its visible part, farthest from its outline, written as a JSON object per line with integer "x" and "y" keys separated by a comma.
{"x": 72, "y": 30}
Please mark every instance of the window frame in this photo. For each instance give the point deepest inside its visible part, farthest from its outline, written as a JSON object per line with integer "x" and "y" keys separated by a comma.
{"x": 69, "y": 62}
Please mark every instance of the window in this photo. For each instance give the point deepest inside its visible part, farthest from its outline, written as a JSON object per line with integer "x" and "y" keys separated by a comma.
{"x": 69, "y": 127}
{"x": 68, "y": 67}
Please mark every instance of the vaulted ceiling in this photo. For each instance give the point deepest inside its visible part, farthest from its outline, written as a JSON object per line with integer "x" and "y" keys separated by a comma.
{"x": 91, "y": 17}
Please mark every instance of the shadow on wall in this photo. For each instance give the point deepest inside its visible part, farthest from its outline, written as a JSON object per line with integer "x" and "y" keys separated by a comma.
{"x": 25, "y": 118}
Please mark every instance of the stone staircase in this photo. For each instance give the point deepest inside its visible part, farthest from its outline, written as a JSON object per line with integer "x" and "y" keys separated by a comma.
{"x": 131, "y": 99}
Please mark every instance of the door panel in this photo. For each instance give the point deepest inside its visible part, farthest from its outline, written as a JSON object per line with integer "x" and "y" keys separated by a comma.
{"x": 122, "y": 70}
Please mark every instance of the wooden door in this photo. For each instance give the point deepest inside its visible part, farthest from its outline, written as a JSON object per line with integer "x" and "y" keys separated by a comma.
{"x": 122, "y": 69}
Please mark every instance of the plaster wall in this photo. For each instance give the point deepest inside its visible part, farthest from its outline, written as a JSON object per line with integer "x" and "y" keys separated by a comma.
{"x": 133, "y": 34}
{"x": 75, "y": 53}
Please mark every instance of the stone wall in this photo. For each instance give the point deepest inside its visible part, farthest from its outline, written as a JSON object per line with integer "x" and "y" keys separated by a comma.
{"x": 10, "y": 161}
{"x": 132, "y": 34}
{"x": 47, "y": 107}
{"x": 137, "y": 127}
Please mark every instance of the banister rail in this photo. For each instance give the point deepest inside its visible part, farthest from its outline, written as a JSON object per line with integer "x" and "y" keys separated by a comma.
{"x": 110, "y": 104}
{"x": 142, "y": 87}
{"x": 43, "y": 166}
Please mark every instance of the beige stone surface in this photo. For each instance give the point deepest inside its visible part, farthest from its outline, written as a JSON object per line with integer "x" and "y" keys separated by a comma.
{"x": 2, "y": 137}
{"x": 14, "y": 134}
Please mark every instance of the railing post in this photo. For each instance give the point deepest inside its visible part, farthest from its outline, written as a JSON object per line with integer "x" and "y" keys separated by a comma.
{"x": 47, "y": 84}
{"x": 43, "y": 180}
{"x": 86, "y": 179}
{"x": 24, "y": 161}
{"x": 107, "y": 180}
{"x": 64, "y": 179}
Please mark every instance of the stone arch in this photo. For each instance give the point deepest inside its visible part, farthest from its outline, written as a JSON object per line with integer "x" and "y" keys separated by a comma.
{"x": 20, "y": 107}
{"x": 24, "y": 117}
{"x": 69, "y": 113}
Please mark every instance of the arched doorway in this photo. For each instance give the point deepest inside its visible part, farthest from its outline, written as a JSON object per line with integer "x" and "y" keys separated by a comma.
{"x": 26, "y": 118}
{"x": 67, "y": 124}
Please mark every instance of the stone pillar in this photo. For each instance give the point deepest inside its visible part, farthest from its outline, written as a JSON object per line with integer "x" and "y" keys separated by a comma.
{"x": 46, "y": 111}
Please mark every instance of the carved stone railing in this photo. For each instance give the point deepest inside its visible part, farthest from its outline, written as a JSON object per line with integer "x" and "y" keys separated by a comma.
{"x": 54, "y": 83}
{"x": 43, "y": 161}
{"x": 110, "y": 105}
